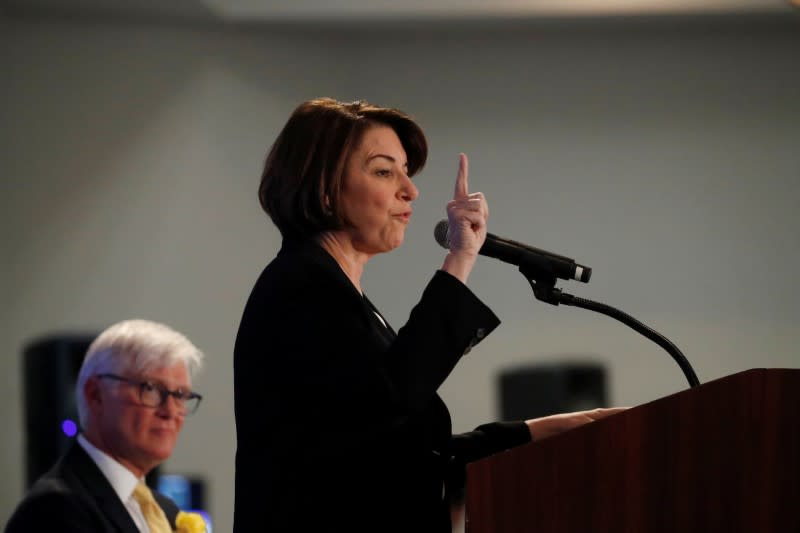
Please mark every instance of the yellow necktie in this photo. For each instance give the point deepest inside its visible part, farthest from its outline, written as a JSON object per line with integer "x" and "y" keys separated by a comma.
{"x": 153, "y": 514}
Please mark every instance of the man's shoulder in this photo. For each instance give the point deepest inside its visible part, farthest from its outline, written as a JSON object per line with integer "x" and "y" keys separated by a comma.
{"x": 51, "y": 502}
{"x": 73, "y": 496}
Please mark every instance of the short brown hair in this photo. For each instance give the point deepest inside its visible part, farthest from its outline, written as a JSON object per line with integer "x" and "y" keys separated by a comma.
{"x": 304, "y": 170}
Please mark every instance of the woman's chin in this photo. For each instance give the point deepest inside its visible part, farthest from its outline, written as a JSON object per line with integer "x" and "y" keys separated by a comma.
{"x": 395, "y": 245}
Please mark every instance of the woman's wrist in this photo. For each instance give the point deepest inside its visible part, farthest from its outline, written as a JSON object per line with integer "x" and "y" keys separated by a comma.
{"x": 459, "y": 265}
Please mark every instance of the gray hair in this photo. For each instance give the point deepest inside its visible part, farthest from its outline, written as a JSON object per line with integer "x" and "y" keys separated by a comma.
{"x": 134, "y": 346}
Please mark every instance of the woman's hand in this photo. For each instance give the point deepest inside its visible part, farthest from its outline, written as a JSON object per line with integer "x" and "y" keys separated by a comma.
{"x": 547, "y": 426}
{"x": 467, "y": 215}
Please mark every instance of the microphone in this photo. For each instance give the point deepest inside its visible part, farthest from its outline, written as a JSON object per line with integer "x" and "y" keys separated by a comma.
{"x": 519, "y": 254}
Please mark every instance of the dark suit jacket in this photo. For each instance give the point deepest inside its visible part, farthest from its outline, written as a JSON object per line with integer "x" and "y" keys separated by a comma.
{"x": 75, "y": 496}
{"x": 338, "y": 423}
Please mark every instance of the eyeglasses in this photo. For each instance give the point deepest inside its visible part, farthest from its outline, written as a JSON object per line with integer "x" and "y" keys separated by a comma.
{"x": 155, "y": 395}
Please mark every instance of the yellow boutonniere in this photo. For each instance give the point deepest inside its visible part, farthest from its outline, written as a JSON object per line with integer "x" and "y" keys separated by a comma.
{"x": 189, "y": 523}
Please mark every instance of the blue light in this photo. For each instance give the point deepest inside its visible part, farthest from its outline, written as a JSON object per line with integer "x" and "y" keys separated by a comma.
{"x": 69, "y": 428}
{"x": 176, "y": 487}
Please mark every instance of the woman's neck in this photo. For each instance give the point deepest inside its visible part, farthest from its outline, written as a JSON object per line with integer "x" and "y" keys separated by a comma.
{"x": 350, "y": 260}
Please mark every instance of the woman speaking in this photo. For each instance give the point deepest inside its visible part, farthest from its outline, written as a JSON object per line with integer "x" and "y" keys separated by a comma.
{"x": 339, "y": 424}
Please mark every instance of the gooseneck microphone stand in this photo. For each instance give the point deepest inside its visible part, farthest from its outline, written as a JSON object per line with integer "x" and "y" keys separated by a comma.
{"x": 543, "y": 283}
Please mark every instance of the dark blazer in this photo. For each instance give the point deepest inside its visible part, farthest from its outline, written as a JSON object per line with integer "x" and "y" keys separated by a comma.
{"x": 75, "y": 496}
{"x": 338, "y": 423}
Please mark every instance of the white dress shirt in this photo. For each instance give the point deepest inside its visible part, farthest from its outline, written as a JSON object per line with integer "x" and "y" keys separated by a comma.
{"x": 121, "y": 479}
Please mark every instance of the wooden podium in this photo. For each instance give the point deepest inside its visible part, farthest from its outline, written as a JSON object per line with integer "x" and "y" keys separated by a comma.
{"x": 721, "y": 457}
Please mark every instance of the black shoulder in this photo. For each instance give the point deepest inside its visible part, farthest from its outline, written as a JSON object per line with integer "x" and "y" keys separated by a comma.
{"x": 51, "y": 505}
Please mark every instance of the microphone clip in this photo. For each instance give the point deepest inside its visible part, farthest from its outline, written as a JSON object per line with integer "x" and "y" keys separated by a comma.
{"x": 542, "y": 279}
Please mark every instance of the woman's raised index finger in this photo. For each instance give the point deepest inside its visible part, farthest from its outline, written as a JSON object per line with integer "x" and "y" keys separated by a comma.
{"x": 462, "y": 189}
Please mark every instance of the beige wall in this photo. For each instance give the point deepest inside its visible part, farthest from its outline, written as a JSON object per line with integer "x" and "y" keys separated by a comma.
{"x": 663, "y": 155}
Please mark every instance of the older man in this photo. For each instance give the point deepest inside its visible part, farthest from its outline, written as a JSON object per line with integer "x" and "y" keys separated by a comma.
{"x": 134, "y": 390}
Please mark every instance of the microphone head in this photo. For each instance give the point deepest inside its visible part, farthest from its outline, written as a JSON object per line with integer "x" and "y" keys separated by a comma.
{"x": 440, "y": 233}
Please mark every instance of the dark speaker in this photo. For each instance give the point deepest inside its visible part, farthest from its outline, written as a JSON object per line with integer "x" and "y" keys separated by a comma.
{"x": 50, "y": 366}
{"x": 540, "y": 390}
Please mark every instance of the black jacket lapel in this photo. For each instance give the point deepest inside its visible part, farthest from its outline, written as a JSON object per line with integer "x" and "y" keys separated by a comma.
{"x": 324, "y": 260}
{"x": 82, "y": 472}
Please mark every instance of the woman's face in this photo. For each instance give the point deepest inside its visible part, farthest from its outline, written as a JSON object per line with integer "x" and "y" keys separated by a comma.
{"x": 377, "y": 192}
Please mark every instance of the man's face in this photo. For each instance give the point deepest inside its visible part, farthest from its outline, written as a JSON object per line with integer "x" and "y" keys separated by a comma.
{"x": 138, "y": 436}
